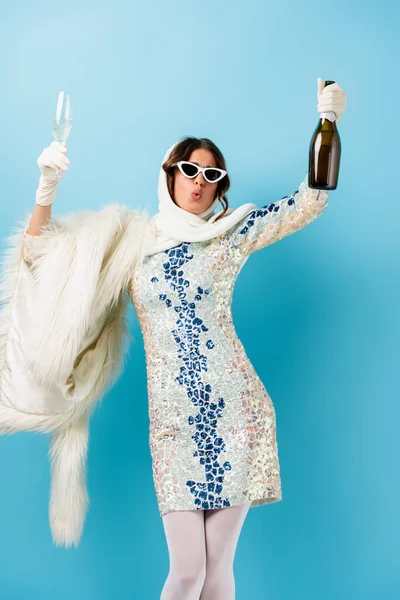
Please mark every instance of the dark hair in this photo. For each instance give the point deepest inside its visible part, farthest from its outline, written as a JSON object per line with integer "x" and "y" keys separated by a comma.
{"x": 183, "y": 150}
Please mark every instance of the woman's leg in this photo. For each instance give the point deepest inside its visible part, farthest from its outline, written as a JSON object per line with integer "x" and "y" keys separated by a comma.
{"x": 184, "y": 531}
{"x": 222, "y": 529}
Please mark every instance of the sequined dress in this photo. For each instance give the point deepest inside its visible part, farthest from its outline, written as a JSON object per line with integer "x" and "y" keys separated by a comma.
{"x": 212, "y": 424}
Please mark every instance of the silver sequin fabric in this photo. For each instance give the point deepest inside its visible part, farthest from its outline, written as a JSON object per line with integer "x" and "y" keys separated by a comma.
{"x": 212, "y": 423}
{"x": 212, "y": 432}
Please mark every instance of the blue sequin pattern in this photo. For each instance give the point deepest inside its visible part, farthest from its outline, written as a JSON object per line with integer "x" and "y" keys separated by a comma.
{"x": 187, "y": 336}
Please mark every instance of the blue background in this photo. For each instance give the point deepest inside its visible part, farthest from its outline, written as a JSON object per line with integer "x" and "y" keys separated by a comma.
{"x": 318, "y": 312}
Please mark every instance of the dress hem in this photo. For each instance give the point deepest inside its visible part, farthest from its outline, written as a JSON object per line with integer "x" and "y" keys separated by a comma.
{"x": 254, "y": 503}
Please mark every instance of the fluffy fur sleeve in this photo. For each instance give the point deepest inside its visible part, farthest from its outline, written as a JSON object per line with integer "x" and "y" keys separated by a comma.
{"x": 63, "y": 338}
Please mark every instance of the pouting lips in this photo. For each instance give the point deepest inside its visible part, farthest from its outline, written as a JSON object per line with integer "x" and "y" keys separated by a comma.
{"x": 196, "y": 196}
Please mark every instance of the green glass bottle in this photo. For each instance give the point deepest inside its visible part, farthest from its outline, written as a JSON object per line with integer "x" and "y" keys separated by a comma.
{"x": 324, "y": 153}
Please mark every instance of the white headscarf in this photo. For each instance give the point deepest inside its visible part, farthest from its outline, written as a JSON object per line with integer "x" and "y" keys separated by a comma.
{"x": 173, "y": 225}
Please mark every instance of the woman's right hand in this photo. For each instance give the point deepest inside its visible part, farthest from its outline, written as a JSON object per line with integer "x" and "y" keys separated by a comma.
{"x": 52, "y": 157}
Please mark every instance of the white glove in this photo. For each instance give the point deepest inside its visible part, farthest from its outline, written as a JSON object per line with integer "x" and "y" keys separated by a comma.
{"x": 52, "y": 157}
{"x": 331, "y": 98}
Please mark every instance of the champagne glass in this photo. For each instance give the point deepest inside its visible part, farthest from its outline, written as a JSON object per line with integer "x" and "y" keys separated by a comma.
{"x": 62, "y": 123}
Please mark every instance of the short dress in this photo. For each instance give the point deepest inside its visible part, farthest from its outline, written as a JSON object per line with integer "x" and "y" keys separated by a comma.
{"x": 212, "y": 424}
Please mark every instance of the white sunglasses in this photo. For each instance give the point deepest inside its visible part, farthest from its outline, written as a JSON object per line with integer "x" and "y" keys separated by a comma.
{"x": 210, "y": 174}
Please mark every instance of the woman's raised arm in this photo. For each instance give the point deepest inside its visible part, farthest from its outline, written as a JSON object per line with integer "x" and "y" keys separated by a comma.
{"x": 274, "y": 221}
{"x": 52, "y": 157}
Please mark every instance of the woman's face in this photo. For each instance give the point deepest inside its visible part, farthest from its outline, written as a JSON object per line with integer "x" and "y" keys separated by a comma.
{"x": 184, "y": 186}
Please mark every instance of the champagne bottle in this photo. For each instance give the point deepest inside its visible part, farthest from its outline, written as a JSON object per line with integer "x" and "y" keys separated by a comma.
{"x": 324, "y": 153}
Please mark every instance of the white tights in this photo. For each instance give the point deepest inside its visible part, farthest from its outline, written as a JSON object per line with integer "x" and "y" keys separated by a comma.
{"x": 202, "y": 545}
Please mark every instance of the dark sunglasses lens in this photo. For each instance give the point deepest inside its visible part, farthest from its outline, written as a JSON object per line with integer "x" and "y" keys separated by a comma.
{"x": 212, "y": 174}
{"x": 189, "y": 170}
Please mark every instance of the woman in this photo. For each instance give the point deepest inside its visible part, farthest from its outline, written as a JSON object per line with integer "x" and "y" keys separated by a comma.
{"x": 212, "y": 423}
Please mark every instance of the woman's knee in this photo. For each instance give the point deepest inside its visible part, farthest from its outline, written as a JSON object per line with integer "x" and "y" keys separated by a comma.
{"x": 189, "y": 567}
{"x": 190, "y": 577}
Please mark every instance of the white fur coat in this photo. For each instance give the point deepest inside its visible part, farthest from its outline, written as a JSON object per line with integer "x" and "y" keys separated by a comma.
{"x": 63, "y": 339}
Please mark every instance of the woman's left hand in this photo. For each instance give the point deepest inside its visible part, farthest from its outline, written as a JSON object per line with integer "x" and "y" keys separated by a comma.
{"x": 331, "y": 98}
